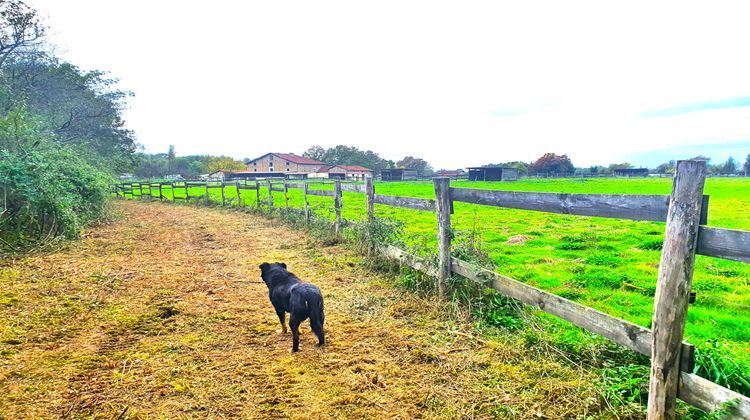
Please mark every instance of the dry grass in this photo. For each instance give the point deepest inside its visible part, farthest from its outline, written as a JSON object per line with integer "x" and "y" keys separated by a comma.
{"x": 152, "y": 316}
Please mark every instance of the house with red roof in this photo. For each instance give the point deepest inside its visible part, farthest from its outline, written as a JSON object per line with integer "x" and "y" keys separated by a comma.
{"x": 351, "y": 172}
{"x": 289, "y": 165}
{"x": 285, "y": 163}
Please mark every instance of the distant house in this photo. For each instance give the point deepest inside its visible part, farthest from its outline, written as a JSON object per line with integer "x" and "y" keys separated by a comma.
{"x": 350, "y": 172}
{"x": 286, "y": 163}
{"x": 632, "y": 172}
{"x": 492, "y": 173}
{"x": 357, "y": 172}
{"x": 398, "y": 174}
{"x": 219, "y": 175}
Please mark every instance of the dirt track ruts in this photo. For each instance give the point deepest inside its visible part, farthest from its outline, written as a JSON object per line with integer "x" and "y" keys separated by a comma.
{"x": 152, "y": 316}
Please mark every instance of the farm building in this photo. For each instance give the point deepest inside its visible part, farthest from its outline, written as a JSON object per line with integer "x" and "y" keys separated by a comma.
{"x": 451, "y": 173}
{"x": 398, "y": 174}
{"x": 629, "y": 173}
{"x": 236, "y": 175}
{"x": 493, "y": 173}
{"x": 214, "y": 176}
{"x": 288, "y": 163}
{"x": 351, "y": 172}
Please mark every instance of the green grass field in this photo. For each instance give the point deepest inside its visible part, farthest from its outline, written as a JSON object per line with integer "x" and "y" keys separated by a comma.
{"x": 607, "y": 264}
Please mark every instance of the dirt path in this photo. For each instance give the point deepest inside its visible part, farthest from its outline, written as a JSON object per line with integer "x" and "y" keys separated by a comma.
{"x": 148, "y": 317}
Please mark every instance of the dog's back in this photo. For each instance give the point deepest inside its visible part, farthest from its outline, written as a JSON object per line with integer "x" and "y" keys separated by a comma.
{"x": 302, "y": 300}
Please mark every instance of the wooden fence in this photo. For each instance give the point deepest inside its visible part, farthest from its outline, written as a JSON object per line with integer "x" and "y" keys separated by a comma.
{"x": 684, "y": 211}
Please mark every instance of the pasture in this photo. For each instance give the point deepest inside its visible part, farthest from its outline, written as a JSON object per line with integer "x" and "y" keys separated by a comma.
{"x": 607, "y": 264}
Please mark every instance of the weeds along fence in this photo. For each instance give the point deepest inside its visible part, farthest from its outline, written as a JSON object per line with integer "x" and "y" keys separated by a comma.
{"x": 685, "y": 212}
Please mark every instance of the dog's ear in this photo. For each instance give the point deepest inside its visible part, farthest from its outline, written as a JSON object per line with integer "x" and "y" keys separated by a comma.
{"x": 282, "y": 264}
{"x": 264, "y": 266}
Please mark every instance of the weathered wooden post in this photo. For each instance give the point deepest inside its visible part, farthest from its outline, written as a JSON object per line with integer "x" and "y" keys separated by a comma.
{"x": 208, "y": 198}
{"x": 186, "y": 191}
{"x": 223, "y": 195}
{"x": 270, "y": 196}
{"x": 673, "y": 286}
{"x": 443, "y": 207}
{"x": 257, "y": 193}
{"x": 306, "y": 204}
{"x": 286, "y": 195}
{"x": 140, "y": 187}
{"x": 337, "y": 205}
{"x": 370, "y": 192}
{"x": 237, "y": 190}
{"x": 161, "y": 195}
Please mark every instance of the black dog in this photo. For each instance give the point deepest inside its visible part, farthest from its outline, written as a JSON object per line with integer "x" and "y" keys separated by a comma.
{"x": 290, "y": 294}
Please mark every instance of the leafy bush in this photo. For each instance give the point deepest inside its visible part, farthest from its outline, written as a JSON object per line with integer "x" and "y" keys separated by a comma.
{"x": 49, "y": 192}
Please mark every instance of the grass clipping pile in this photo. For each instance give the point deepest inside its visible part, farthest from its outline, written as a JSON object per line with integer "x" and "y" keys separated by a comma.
{"x": 153, "y": 316}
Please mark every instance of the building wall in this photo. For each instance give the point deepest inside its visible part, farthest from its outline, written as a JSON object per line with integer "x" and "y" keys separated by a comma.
{"x": 510, "y": 174}
{"x": 271, "y": 163}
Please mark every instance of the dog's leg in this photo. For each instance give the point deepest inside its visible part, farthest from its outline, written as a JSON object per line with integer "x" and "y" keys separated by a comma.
{"x": 282, "y": 319}
{"x": 318, "y": 330}
{"x": 294, "y": 325}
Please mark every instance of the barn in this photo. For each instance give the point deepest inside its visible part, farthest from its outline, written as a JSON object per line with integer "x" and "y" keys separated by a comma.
{"x": 350, "y": 172}
{"x": 287, "y": 163}
{"x": 631, "y": 172}
{"x": 492, "y": 173}
{"x": 398, "y": 174}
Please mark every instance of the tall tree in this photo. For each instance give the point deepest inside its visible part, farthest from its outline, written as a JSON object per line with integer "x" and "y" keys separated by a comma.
{"x": 171, "y": 157}
{"x": 729, "y": 167}
{"x": 746, "y": 166}
{"x": 224, "y": 163}
{"x": 419, "y": 164}
{"x": 348, "y": 155}
{"x": 552, "y": 163}
{"x": 315, "y": 152}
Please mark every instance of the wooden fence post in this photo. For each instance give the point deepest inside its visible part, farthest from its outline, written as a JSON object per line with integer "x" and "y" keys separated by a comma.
{"x": 337, "y": 205}
{"x": 370, "y": 192}
{"x": 307, "y": 205}
{"x": 443, "y": 207}
{"x": 208, "y": 198}
{"x": 673, "y": 286}
{"x": 186, "y": 192}
{"x": 161, "y": 195}
{"x": 286, "y": 195}
{"x": 223, "y": 195}
{"x": 270, "y": 196}
{"x": 140, "y": 187}
{"x": 239, "y": 197}
{"x": 257, "y": 193}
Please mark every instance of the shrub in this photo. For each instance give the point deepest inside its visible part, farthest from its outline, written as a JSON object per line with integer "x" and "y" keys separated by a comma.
{"x": 49, "y": 191}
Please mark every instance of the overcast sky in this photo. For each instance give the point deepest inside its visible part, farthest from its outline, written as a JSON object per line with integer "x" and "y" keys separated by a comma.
{"x": 458, "y": 83}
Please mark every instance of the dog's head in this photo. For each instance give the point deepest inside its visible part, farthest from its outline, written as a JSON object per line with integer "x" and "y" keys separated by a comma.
{"x": 266, "y": 269}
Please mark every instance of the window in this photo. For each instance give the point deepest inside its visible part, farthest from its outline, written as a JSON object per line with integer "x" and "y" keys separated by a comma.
{"x": 270, "y": 169}
{"x": 287, "y": 164}
{"x": 255, "y": 170}
{"x": 255, "y": 163}
{"x": 287, "y": 169}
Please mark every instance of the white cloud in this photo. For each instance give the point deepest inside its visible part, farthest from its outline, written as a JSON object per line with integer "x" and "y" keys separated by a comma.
{"x": 421, "y": 78}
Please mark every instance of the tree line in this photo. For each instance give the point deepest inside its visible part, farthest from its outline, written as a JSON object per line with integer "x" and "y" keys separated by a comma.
{"x": 551, "y": 163}
{"x": 160, "y": 165}
{"x": 62, "y": 136}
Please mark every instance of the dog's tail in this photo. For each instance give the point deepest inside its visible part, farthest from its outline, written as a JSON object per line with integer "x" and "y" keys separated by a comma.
{"x": 317, "y": 315}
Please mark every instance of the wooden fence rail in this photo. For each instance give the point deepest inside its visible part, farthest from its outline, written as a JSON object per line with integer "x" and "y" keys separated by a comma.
{"x": 685, "y": 211}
